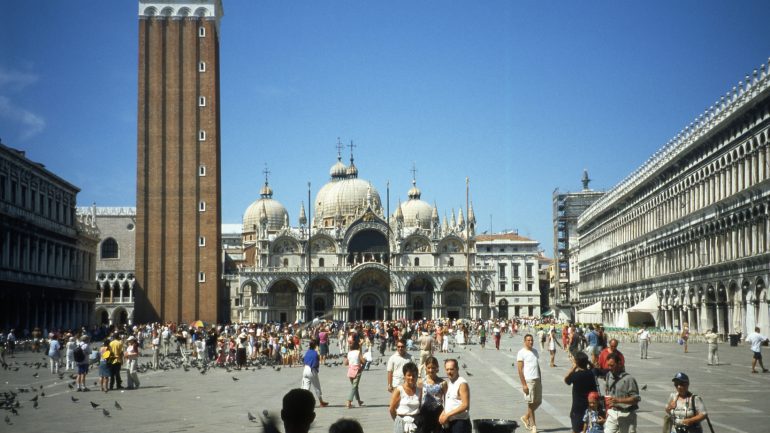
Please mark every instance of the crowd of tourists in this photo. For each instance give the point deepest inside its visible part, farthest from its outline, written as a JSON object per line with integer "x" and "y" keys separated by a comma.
{"x": 605, "y": 396}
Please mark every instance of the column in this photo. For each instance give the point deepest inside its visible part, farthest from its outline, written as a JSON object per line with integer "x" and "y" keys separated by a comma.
{"x": 720, "y": 324}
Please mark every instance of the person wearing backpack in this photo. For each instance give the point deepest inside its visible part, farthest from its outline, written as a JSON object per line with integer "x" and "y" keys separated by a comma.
{"x": 685, "y": 410}
{"x": 81, "y": 355}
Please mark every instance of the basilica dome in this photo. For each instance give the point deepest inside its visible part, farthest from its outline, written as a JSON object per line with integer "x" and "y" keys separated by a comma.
{"x": 273, "y": 210}
{"x": 345, "y": 194}
{"x": 416, "y": 212}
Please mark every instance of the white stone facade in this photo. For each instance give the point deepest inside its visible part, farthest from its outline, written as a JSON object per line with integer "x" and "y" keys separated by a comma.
{"x": 514, "y": 262}
{"x": 350, "y": 262}
{"x": 691, "y": 224}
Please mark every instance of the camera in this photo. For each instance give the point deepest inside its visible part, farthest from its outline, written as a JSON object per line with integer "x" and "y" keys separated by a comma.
{"x": 682, "y": 429}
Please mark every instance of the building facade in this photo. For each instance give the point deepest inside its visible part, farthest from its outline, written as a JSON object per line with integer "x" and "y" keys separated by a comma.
{"x": 178, "y": 209}
{"x": 348, "y": 261}
{"x": 690, "y": 226}
{"x": 115, "y": 265}
{"x": 46, "y": 250}
{"x": 515, "y": 277}
{"x": 567, "y": 207}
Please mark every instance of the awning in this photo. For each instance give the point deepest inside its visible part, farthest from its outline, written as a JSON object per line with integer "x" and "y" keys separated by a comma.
{"x": 548, "y": 313}
{"x": 644, "y": 313}
{"x": 590, "y": 314}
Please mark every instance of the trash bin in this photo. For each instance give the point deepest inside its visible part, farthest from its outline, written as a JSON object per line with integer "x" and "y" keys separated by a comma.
{"x": 487, "y": 425}
{"x": 734, "y": 339}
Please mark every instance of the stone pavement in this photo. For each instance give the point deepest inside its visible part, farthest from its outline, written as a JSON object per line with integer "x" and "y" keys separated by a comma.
{"x": 177, "y": 401}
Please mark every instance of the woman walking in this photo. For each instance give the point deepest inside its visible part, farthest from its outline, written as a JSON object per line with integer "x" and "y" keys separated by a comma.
{"x": 105, "y": 358}
{"x": 552, "y": 343}
{"x": 405, "y": 401}
{"x": 131, "y": 354}
{"x": 355, "y": 362}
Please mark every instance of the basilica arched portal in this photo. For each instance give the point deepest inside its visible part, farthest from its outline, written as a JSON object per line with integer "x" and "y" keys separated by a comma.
{"x": 369, "y": 292}
{"x": 320, "y": 298}
{"x": 368, "y": 246}
{"x": 455, "y": 299}
{"x": 420, "y": 298}
{"x": 282, "y": 300}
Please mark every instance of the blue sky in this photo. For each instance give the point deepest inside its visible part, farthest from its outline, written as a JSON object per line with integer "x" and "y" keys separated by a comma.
{"x": 520, "y": 96}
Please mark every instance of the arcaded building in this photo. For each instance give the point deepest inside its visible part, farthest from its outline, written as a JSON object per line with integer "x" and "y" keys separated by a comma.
{"x": 178, "y": 200}
{"x": 689, "y": 229}
{"x": 344, "y": 259}
{"x": 46, "y": 250}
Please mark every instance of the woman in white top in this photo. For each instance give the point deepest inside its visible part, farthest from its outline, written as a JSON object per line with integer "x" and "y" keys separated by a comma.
{"x": 131, "y": 355}
{"x": 552, "y": 343}
{"x": 405, "y": 401}
{"x": 355, "y": 368}
{"x": 70, "y": 348}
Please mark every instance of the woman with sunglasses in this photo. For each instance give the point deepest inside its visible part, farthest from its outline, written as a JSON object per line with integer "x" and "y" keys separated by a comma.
{"x": 685, "y": 409}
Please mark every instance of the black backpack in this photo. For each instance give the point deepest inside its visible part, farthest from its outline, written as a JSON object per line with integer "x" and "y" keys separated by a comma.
{"x": 78, "y": 354}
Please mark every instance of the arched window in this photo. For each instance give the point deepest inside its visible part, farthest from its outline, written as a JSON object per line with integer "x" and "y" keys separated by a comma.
{"x": 417, "y": 261}
{"x": 109, "y": 249}
{"x": 451, "y": 261}
{"x": 320, "y": 263}
{"x": 285, "y": 263}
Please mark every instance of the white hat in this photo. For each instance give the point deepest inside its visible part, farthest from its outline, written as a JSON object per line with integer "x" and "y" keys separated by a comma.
{"x": 131, "y": 338}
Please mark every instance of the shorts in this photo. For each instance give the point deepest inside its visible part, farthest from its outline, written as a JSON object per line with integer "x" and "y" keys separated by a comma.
{"x": 535, "y": 395}
{"x": 324, "y": 349}
{"x": 758, "y": 356}
{"x": 592, "y": 350}
{"x": 82, "y": 368}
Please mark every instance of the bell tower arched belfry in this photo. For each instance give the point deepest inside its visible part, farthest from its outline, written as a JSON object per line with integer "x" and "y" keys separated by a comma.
{"x": 178, "y": 209}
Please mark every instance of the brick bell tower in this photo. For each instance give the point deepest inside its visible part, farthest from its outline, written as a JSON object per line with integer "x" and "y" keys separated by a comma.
{"x": 178, "y": 209}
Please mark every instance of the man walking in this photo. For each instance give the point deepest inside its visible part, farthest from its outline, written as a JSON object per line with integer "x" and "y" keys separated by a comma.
{"x": 644, "y": 341}
{"x": 592, "y": 338}
{"x": 457, "y": 401}
{"x": 622, "y": 398}
{"x": 756, "y": 339}
{"x": 712, "y": 338}
{"x": 426, "y": 350}
{"x": 529, "y": 375}
{"x": 396, "y": 364}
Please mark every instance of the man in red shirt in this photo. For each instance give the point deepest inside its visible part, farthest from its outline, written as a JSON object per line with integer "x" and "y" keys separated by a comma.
{"x": 613, "y": 348}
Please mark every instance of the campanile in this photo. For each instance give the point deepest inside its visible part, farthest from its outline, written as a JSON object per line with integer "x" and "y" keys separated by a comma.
{"x": 178, "y": 209}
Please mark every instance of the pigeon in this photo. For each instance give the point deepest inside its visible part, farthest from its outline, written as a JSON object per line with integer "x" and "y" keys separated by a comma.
{"x": 252, "y": 418}
{"x": 34, "y": 405}
{"x": 94, "y": 405}
{"x": 464, "y": 366}
{"x": 74, "y": 400}
{"x": 235, "y": 379}
{"x": 36, "y": 375}
{"x": 42, "y": 394}
{"x": 69, "y": 385}
{"x": 468, "y": 373}
{"x": 118, "y": 406}
{"x": 644, "y": 388}
{"x": 7, "y": 419}
{"x": 14, "y": 411}
{"x": 106, "y": 413}
{"x": 33, "y": 398}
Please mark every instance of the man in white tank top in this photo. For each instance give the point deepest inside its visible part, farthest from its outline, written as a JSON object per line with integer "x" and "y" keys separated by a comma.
{"x": 457, "y": 401}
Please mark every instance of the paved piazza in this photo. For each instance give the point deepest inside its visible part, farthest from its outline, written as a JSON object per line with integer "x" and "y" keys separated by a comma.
{"x": 177, "y": 401}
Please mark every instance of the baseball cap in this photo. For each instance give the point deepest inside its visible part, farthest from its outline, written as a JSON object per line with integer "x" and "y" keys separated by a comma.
{"x": 681, "y": 377}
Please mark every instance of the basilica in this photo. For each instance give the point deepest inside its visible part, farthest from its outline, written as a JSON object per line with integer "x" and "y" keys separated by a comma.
{"x": 347, "y": 260}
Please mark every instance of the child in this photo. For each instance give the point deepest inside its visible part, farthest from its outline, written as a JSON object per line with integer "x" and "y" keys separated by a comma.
{"x": 593, "y": 420}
